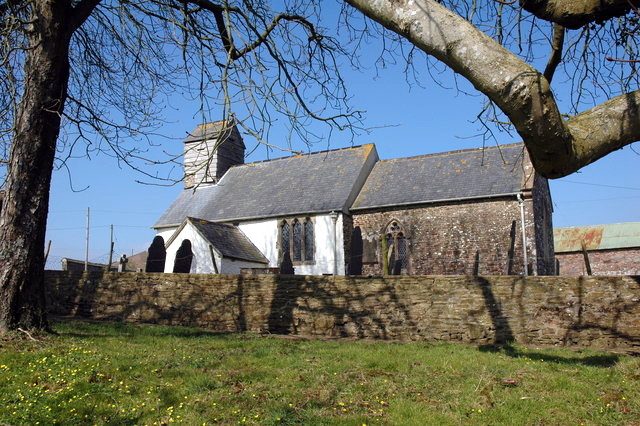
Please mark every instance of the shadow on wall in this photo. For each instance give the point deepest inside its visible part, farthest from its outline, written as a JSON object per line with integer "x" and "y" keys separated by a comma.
{"x": 357, "y": 250}
{"x": 601, "y": 312}
{"x": 158, "y": 298}
{"x": 617, "y": 307}
{"x": 512, "y": 248}
{"x": 319, "y": 306}
{"x": 503, "y": 333}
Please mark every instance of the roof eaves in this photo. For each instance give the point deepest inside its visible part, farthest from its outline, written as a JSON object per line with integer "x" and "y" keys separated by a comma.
{"x": 276, "y": 216}
{"x": 442, "y": 200}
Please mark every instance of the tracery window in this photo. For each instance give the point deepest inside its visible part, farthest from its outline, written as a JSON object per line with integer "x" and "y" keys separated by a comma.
{"x": 296, "y": 237}
{"x": 297, "y": 241}
{"x": 308, "y": 240}
{"x": 397, "y": 249}
{"x": 285, "y": 238}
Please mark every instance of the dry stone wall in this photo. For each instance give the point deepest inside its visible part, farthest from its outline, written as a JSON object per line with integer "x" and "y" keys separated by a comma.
{"x": 601, "y": 312}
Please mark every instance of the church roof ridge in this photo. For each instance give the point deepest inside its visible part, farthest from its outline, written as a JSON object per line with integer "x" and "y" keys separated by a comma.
{"x": 370, "y": 146}
{"x": 455, "y": 152}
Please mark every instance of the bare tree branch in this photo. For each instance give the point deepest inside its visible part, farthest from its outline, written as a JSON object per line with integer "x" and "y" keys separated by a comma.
{"x": 557, "y": 147}
{"x": 556, "y": 52}
{"x": 81, "y": 12}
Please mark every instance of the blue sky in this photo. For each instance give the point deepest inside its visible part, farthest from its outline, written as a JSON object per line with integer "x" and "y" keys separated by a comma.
{"x": 404, "y": 120}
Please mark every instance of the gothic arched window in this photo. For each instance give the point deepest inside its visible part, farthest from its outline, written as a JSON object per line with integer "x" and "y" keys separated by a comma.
{"x": 297, "y": 239}
{"x": 308, "y": 240}
{"x": 397, "y": 249}
{"x": 285, "y": 237}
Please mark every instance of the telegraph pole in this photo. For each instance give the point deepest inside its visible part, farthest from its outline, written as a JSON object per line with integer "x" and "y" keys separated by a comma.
{"x": 86, "y": 251}
{"x": 110, "y": 251}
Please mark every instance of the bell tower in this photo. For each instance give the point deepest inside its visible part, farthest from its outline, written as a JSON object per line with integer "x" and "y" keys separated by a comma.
{"x": 209, "y": 151}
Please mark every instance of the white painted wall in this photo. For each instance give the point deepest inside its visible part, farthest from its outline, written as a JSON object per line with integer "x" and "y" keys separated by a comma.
{"x": 233, "y": 266}
{"x": 264, "y": 234}
{"x": 201, "y": 263}
{"x": 323, "y": 235}
{"x": 166, "y": 233}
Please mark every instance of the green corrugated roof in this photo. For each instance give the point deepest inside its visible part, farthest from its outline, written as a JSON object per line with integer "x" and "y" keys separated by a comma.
{"x": 597, "y": 237}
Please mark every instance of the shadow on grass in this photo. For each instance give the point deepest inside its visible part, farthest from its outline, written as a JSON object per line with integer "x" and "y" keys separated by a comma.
{"x": 604, "y": 360}
{"x": 100, "y": 329}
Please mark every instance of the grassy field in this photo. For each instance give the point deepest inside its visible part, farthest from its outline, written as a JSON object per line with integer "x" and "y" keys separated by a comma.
{"x": 131, "y": 374}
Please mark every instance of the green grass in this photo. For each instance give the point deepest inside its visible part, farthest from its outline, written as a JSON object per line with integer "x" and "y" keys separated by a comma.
{"x": 113, "y": 373}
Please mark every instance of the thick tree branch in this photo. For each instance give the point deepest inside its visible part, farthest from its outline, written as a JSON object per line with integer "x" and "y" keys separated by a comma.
{"x": 81, "y": 12}
{"x": 606, "y": 127}
{"x": 574, "y": 14}
{"x": 557, "y": 147}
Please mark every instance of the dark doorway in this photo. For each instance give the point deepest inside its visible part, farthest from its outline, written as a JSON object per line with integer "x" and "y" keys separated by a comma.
{"x": 156, "y": 255}
{"x": 184, "y": 257}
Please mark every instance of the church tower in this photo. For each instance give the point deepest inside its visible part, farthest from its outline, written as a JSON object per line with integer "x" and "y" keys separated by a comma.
{"x": 209, "y": 151}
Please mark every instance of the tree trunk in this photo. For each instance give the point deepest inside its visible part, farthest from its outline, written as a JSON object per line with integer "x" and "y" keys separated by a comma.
{"x": 37, "y": 123}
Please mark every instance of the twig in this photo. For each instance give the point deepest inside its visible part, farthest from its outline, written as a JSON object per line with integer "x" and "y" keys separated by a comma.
{"x": 28, "y": 335}
{"x": 609, "y": 58}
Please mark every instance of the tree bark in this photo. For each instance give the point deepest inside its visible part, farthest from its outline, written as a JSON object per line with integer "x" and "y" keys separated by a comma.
{"x": 37, "y": 124}
{"x": 557, "y": 147}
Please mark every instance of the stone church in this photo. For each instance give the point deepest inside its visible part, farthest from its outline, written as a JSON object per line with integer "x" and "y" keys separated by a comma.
{"x": 346, "y": 211}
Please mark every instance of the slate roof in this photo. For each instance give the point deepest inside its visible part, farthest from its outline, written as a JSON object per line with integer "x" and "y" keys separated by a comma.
{"x": 473, "y": 173}
{"x": 210, "y": 131}
{"x": 301, "y": 184}
{"x": 229, "y": 241}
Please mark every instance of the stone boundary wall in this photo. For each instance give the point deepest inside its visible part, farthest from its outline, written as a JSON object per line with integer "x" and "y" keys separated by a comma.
{"x": 598, "y": 312}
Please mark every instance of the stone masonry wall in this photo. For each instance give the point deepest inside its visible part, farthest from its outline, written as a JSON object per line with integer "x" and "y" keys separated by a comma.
{"x": 543, "y": 211}
{"x": 466, "y": 238}
{"x": 603, "y": 262}
{"x": 602, "y": 312}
